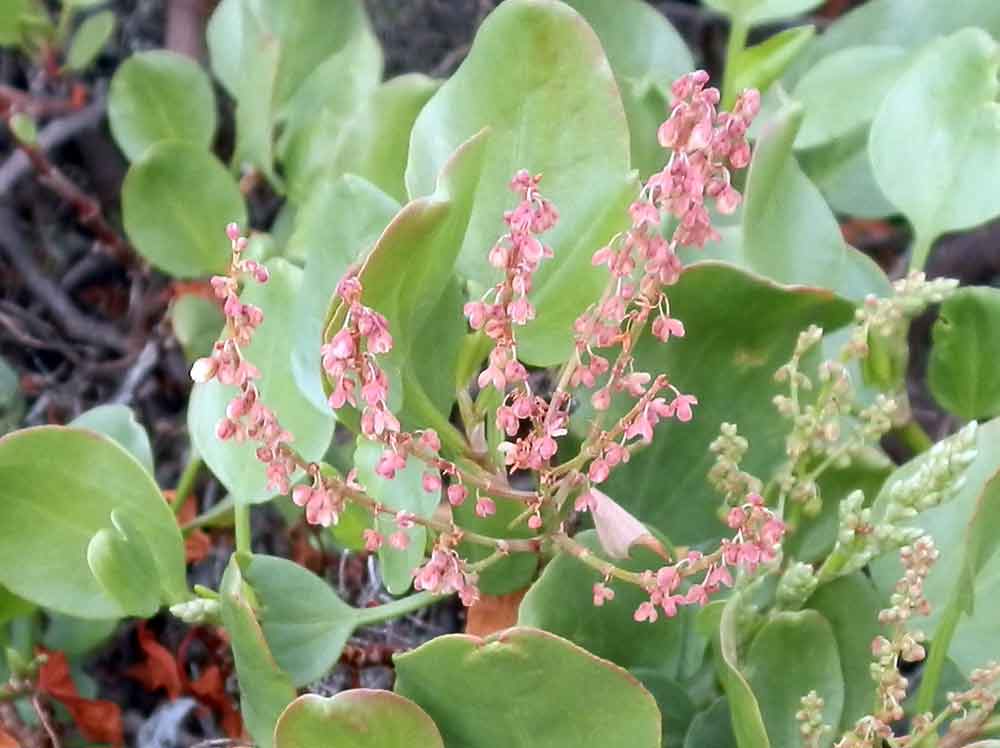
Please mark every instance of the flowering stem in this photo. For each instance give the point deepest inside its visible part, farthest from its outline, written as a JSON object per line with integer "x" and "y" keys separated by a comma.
{"x": 938, "y": 653}
{"x": 586, "y": 556}
{"x": 919, "y": 252}
{"x": 397, "y": 608}
{"x": 241, "y": 513}
{"x": 737, "y": 43}
{"x": 186, "y": 482}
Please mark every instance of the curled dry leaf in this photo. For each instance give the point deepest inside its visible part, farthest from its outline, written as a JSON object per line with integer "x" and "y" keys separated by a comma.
{"x": 618, "y": 530}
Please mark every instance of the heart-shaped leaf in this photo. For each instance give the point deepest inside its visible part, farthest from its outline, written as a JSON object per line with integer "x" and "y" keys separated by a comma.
{"x": 361, "y": 718}
{"x": 553, "y": 66}
{"x": 64, "y": 484}
{"x": 265, "y": 689}
{"x": 454, "y": 679}
{"x": 175, "y": 200}
{"x": 940, "y": 174}
{"x": 160, "y": 95}
{"x": 236, "y": 464}
{"x": 123, "y": 565}
{"x": 779, "y": 681}
{"x": 962, "y": 371}
{"x": 118, "y": 422}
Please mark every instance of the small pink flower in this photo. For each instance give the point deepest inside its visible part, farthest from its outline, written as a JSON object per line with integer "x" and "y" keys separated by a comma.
{"x": 342, "y": 345}
{"x": 485, "y": 507}
{"x": 646, "y": 612}
{"x": 431, "y": 482}
{"x": 735, "y": 518}
{"x": 457, "y": 494}
{"x": 602, "y": 594}
{"x": 534, "y": 521}
{"x": 664, "y": 327}
{"x": 682, "y": 407}
{"x": 585, "y": 502}
{"x": 373, "y": 540}
{"x": 389, "y": 464}
{"x": 598, "y": 471}
{"x": 404, "y": 519}
{"x": 399, "y": 540}
{"x": 429, "y": 440}
{"x": 601, "y": 399}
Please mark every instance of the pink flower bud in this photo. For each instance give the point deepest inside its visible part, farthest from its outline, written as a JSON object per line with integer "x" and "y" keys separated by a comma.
{"x": 233, "y": 231}
{"x": 534, "y": 521}
{"x": 301, "y": 495}
{"x": 485, "y": 507}
{"x": 225, "y": 429}
{"x": 431, "y": 482}
{"x": 373, "y": 540}
{"x": 430, "y": 440}
{"x": 204, "y": 369}
{"x": 399, "y": 540}
{"x": 457, "y": 494}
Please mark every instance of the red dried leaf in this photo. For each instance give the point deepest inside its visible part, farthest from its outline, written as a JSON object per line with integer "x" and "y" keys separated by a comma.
{"x": 210, "y": 689}
{"x": 492, "y": 613}
{"x": 160, "y": 668}
{"x": 198, "y": 543}
{"x": 99, "y": 721}
{"x": 7, "y": 740}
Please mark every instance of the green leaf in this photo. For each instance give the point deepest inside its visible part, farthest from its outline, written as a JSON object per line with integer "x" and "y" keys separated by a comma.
{"x": 24, "y": 128}
{"x": 265, "y": 689}
{"x": 676, "y": 707}
{"x": 508, "y": 574}
{"x": 119, "y": 423}
{"x": 11, "y": 399}
{"x": 405, "y": 492}
{"x": 561, "y": 602}
{"x": 746, "y": 714}
{"x": 553, "y": 68}
{"x": 89, "y": 40}
{"x": 361, "y": 718}
{"x": 176, "y": 202}
{"x": 224, "y": 36}
{"x": 312, "y": 121}
{"x": 11, "y": 14}
{"x": 779, "y": 681}
{"x": 280, "y": 51}
{"x": 789, "y": 233}
{"x": 124, "y": 566}
{"x": 360, "y": 212}
{"x": 843, "y": 173}
{"x": 646, "y": 55}
{"x": 454, "y": 679}
{"x": 762, "y": 64}
{"x": 76, "y": 637}
{"x": 851, "y": 605}
{"x": 962, "y": 371}
{"x": 236, "y": 464}
{"x": 727, "y": 359}
{"x": 754, "y": 12}
{"x": 901, "y": 23}
{"x": 306, "y": 625}
{"x": 967, "y": 575}
{"x": 843, "y": 91}
{"x": 64, "y": 484}
{"x": 940, "y": 174}
{"x": 196, "y": 321}
{"x": 424, "y": 236}
{"x": 160, "y": 95}
{"x": 373, "y": 143}
{"x": 12, "y": 606}
{"x": 712, "y": 728}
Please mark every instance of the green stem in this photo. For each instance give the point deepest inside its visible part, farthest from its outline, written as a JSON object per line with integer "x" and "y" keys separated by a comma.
{"x": 241, "y": 513}
{"x": 395, "y": 609}
{"x": 912, "y": 434}
{"x": 919, "y": 252}
{"x": 737, "y": 43}
{"x": 939, "y": 653}
{"x": 187, "y": 480}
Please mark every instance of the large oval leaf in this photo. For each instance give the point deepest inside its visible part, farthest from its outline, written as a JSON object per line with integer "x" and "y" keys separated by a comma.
{"x": 555, "y": 109}
{"x": 553, "y": 694}
{"x": 63, "y": 484}
{"x": 941, "y": 174}
{"x": 236, "y": 464}
{"x": 361, "y": 718}
{"x": 175, "y": 201}
{"x": 962, "y": 370}
{"x": 752, "y": 12}
{"x": 793, "y": 654}
{"x": 160, "y": 95}
{"x": 119, "y": 423}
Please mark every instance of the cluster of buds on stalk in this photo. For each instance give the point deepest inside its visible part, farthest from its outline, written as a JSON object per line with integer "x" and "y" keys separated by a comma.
{"x": 705, "y": 147}
{"x": 247, "y": 417}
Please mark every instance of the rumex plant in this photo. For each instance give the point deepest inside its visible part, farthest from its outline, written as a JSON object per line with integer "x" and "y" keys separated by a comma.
{"x": 573, "y": 328}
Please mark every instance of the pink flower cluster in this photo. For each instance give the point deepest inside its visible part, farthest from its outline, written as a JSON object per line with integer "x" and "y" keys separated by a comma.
{"x": 518, "y": 253}
{"x": 246, "y": 416}
{"x": 445, "y": 572}
{"x": 758, "y": 534}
